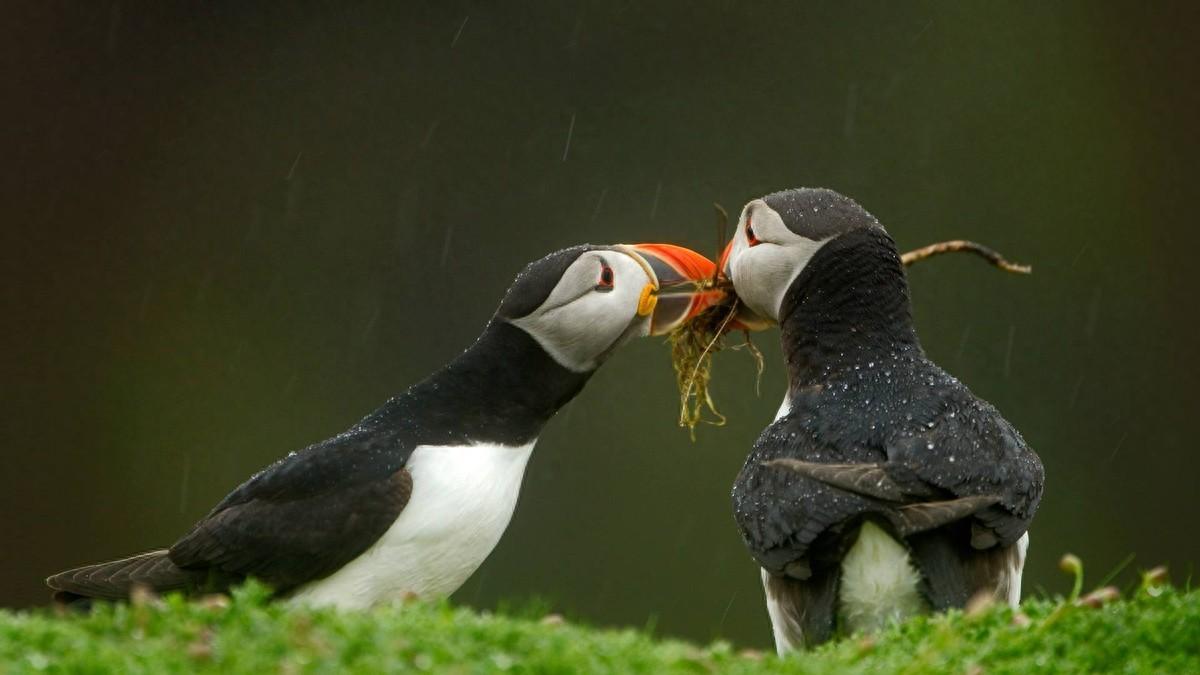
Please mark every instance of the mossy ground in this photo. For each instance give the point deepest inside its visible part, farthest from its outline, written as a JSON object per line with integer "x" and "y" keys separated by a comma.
{"x": 1151, "y": 633}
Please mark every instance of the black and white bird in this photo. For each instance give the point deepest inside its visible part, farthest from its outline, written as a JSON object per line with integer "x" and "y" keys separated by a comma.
{"x": 884, "y": 487}
{"x": 413, "y": 498}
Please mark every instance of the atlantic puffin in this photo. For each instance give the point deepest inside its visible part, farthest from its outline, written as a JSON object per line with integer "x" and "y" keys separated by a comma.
{"x": 412, "y": 499}
{"x": 884, "y": 488}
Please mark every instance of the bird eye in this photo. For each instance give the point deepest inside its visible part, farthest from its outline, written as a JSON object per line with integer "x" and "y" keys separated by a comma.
{"x": 606, "y": 278}
{"x": 750, "y": 238}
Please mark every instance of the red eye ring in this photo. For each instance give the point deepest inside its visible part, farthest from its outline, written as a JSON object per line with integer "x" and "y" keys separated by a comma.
{"x": 606, "y": 277}
{"x": 750, "y": 238}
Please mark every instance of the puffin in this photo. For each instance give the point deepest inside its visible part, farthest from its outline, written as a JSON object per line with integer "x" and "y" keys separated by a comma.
{"x": 884, "y": 487}
{"x": 409, "y": 501}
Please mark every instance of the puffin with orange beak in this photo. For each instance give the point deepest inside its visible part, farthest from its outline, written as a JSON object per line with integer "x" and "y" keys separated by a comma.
{"x": 884, "y": 487}
{"x": 413, "y": 498}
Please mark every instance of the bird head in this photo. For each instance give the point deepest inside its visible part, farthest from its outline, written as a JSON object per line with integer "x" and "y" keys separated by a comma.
{"x": 583, "y": 302}
{"x": 776, "y": 237}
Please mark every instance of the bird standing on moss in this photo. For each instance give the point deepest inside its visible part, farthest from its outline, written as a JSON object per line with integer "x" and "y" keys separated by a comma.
{"x": 884, "y": 487}
{"x": 414, "y": 497}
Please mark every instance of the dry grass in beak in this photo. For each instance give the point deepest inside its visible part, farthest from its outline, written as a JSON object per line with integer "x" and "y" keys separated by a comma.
{"x": 694, "y": 342}
{"x": 693, "y": 345}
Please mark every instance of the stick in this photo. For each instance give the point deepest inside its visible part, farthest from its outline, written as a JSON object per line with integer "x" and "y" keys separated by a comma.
{"x": 962, "y": 245}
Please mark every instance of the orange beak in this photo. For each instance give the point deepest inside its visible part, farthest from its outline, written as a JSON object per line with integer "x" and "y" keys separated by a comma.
{"x": 678, "y": 289}
{"x": 723, "y": 262}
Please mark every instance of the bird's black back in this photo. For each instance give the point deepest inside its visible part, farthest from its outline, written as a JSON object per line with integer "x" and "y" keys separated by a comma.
{"x": 311, "y": 512}
{"x": 502, "y": 390}
{"x": 862, "y": 391}
{"x": 314, "y": 510}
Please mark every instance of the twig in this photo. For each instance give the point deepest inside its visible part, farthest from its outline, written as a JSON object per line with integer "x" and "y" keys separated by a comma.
{"x": 964, "y": 246}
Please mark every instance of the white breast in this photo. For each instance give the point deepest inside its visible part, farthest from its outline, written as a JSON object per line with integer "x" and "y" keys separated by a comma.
{"x": 786, "y": 406}
{"x": 462, "y": 500}
{"x": 1015, "y": 569}
{"x": 879, "y": 583}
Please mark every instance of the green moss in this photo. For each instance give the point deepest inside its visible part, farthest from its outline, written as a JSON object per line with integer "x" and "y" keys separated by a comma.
{"x": 1145, "y": 634}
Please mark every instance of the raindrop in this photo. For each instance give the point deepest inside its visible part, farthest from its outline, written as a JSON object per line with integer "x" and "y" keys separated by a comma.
{"x": 429, "y": 132}
{"x": 962, "y": 342}
{"x": 851, "y": 105}
{"x": 1012, "y": 331}
{"x": 458, "y": 34}
{"x": 295, "y": 162}
{"x": 599, "y": 203}
{"x": 1075, "y": 392}
{"x": 567, "y": 147}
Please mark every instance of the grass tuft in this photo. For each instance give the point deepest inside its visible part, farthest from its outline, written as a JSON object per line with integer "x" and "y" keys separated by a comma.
{"x": 1155, "y": 630}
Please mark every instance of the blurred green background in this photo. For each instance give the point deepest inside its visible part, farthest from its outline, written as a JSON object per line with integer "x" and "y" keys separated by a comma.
{"x": 232, "y": 229}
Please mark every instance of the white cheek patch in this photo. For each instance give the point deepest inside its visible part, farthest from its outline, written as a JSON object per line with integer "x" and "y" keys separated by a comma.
{"x": 763, "y": 273}
{"x": 577, "y": 325}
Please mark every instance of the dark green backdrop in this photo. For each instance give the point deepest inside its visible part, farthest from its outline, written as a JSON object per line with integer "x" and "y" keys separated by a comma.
{"x": 230, "y": 230}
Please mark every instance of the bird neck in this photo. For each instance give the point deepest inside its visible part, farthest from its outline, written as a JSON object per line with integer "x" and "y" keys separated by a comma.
{"x": 502, "y": 389}
{"x": 849, "y": 307}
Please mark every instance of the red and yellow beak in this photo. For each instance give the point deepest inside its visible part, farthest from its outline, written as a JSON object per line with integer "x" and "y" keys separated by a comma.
{"x": 723, "y": 262}
{"x": 678, "y": 288}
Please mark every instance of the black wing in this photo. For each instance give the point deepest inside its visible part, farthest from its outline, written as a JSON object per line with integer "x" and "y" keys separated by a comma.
{"x": 116, "y": 579}
{"x": 801, "y": 488}
{"x": 971, "y": 451}
{"x": 785, "y": 516}
{"x": 305, "y": 516}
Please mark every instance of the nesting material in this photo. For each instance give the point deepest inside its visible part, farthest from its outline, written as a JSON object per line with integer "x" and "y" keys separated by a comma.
{"x": 694, "y": 343}
{"x": 964, "y": 246}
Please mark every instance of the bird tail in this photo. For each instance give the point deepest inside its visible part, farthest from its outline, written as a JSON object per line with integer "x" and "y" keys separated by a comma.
{"x": 116, "y": 579}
